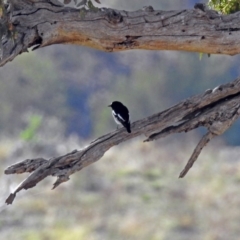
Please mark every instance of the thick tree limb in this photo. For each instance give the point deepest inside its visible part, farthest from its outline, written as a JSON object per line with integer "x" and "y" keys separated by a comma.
{"x": 215, "y": 109}
{"x": 47, "y": 22}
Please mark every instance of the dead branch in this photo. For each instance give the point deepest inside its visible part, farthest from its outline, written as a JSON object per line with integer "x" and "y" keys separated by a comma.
{"x": 203, "y": 142}
{"x": 42, "y": 23}
{"x": 224, "y": 120}
{"x": 216, "y": 110}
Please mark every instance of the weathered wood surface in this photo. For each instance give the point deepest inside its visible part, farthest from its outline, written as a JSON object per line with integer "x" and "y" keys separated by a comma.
{"x": 215, "y": 109}
{"x": 46, "y": 22}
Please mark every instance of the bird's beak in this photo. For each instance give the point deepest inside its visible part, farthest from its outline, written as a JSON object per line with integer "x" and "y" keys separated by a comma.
{"x": 109, "y": 105}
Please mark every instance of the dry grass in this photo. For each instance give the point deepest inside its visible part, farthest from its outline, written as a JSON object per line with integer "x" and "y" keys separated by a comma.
{"x": 133, "y": 193}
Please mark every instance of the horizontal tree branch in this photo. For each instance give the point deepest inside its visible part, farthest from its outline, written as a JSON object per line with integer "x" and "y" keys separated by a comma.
{"x": 46, "y": 22}
{"x": 215, "y": 109}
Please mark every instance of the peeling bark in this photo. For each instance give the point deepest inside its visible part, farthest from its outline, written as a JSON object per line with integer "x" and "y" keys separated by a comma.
{"x": 215, "y": 109}
{"x": 42, "y": 23}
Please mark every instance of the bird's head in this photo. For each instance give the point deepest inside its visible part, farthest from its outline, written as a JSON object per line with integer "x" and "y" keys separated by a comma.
{"x": 115, "y": 104}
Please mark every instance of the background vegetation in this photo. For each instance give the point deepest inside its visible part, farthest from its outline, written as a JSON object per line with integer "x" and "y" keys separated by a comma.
{"x": 55, "y": 100}
{"x": 75, "y": 84}
{"x": 132, "y": 193}
{"x": 225, "y": 6}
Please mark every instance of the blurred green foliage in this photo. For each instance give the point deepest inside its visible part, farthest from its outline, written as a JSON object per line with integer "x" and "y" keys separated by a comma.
{"x": 225, "y": 6}
{"x": 30, "y": 86}
{"x": 30, "y": 132}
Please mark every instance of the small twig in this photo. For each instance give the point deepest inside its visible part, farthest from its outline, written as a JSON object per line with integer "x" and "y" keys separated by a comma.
{"x": 203, "y": 142}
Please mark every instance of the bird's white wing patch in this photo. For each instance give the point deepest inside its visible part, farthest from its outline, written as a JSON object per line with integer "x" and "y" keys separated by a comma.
{"x": 121, "y": 117}
{"x": 115, "y": 117}
{"x": 118, "y": 116}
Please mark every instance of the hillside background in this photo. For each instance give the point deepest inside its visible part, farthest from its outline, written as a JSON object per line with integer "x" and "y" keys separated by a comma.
{"x": 54, "y": 100}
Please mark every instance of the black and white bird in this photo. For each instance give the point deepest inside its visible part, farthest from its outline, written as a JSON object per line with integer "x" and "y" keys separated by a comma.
{"x": 120, "y": 114}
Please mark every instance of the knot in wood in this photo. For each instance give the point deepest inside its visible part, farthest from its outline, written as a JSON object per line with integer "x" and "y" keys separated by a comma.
{"x": 200, "y": 6}
{"x": 218, "y": 127}
{"x": 208, "y": 91}
{"x": 114, "y": 17}
{"x": 148, "y": 9}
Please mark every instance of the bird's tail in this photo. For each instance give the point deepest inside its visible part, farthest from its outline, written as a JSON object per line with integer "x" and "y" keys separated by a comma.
{"x": 128, "y": 127}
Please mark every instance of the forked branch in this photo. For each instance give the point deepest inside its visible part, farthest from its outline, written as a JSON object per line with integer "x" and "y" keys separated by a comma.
{"x": 215, "y": 109}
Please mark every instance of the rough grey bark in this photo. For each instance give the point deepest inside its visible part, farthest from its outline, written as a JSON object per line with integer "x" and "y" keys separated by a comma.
{"x": 215, "y": 109}
{"x": 42, "y": 23}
